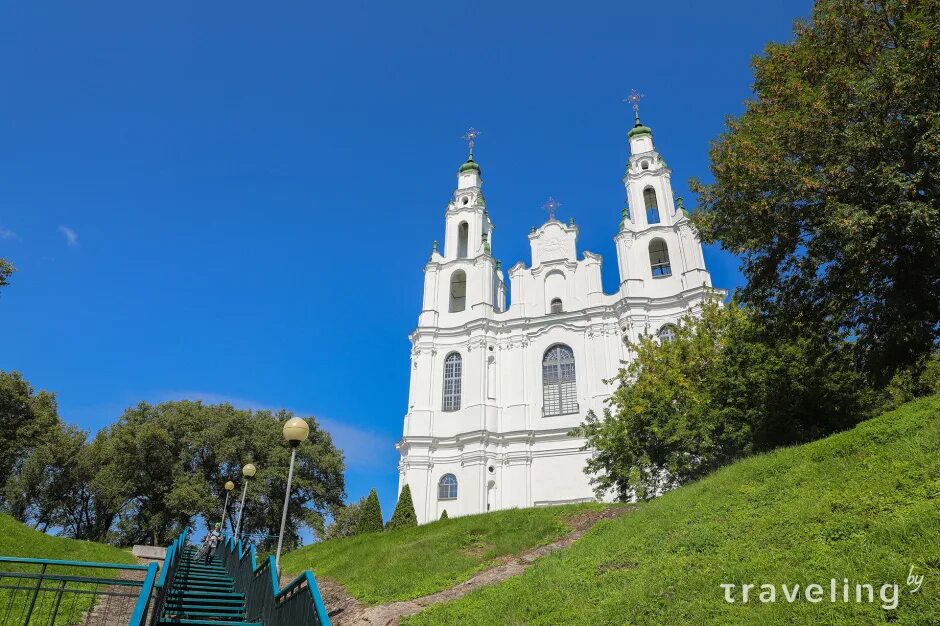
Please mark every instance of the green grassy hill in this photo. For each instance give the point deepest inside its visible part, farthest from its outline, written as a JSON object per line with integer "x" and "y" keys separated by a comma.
{"x": 408, "y": 563}
{"x": 862, "y": 505}
{"x": 17, "y": 539}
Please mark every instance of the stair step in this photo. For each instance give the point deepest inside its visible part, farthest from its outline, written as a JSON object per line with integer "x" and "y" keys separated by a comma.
{"x": 209, "y": 612}
{"x": 204, "y": 600}
{"x": 182, "y": 586}
{"x": 202, "y": 604}
{"x": 203, "y": 622}
{"x": 199, "y": 594}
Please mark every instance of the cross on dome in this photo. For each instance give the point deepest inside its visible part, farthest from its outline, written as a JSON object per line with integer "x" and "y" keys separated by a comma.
{"x": 470, "y": 138}
{"x": 634, "y": 99}
{"x": 551, "y": 205}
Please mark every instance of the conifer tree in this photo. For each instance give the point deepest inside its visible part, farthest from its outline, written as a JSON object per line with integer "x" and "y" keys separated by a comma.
{"x": 370, "y": 517}
{"x": 444, "y": 514}
{"x": 404, "y": 515}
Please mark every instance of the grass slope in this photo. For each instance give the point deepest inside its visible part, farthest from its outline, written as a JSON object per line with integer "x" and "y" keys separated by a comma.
{"x": 17, "y": 539}
{"x": 412, "y": 562}
{"x": 862, "y": 505}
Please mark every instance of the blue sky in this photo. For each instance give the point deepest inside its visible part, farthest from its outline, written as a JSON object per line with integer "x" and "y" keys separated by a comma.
{"x": 234, "y": 201}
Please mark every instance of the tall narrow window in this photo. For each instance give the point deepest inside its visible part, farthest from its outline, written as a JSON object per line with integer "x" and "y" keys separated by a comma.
{"x": 559, "y": 387}
{"x": 453, "y": 367}
{"x": 556, "y": 305}
{"x": 652, "y": 208}
{"x": 463, "y": 236}
{"x": 447, "y": 487}
{"x": 458, "y": 291}
{"x": 659, "y": 258}
{"x": 667, "y": 333}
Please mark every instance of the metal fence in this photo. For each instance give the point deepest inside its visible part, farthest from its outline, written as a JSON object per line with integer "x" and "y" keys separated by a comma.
{"x": 47, "y": 592}
{"x": 298, "y": 604}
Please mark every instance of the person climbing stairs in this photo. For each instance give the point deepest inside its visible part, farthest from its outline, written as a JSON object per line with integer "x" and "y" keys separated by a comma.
{"x": 203, "y": 594}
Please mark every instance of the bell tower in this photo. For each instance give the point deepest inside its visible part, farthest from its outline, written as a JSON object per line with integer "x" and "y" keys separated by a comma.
{"x": 658, "y": 251}
{"x": 463, "y": 282}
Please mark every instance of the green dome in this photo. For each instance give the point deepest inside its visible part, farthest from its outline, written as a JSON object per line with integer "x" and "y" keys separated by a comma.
{"x": 469, "y": 165}
{"x": 639, "y": 129}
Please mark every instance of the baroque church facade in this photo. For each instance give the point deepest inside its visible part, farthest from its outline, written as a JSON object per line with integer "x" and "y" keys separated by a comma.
{"x": 495, "y": 390}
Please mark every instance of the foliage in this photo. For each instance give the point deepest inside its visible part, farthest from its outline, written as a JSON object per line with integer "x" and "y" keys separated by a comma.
{"x": 370, "y": 515}
{"x": 175, "y": 457}
{"x": 827, "y": 184}
{"x": 444, "y": 514}
{"x": 345, "y": 521}
{"x": 415, "y": 561}
{"x": 721, "y": 390}
{"x": 909, "y": 383}
{"x": 6, "y": 270}
{"x": 404, "y": 515}
{"x": 861, "y": 504}
{"x": 158, "y": 469}
{"x": 26, "y": 417}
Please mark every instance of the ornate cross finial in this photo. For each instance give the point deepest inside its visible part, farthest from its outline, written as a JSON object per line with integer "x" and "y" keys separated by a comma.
{"x": 634, "y": 99}
{"x": 551, "y": 206}
{"x": 470, "y": 138}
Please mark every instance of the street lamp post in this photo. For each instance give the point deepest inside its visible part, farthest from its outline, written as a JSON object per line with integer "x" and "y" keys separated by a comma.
{"x": 248, "y": 471}
{"x": 296, "y": 430}
{"x": 229, "y": 485}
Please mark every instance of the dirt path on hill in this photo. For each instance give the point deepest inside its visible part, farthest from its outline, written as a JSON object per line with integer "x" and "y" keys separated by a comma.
{"x": 344, "y": 610}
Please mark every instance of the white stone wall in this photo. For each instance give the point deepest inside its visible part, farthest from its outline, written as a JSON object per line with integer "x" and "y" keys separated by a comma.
{"x": 503, "y": 451}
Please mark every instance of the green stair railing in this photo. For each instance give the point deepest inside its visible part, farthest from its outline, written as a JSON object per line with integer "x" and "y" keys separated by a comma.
{"x": 50, "y": 592}
{"x": 170, "y": 564}
{"x": 297, "y": 604}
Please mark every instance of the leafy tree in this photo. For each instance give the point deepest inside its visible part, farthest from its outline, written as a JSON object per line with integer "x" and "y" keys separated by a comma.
{"x": 828, "y": 186}
{"x": 370, "y": 516}
{"x": 345, "y": 521}
{"x": 404, "y": 515}
{"x": 34, "y": 493}
{"x": 26, "y": 417}
{"x": 6, "y": 270}
{"x": 444, "y": 514}
{"x": 721, "y": 390}
{"x": 175, "y": 457}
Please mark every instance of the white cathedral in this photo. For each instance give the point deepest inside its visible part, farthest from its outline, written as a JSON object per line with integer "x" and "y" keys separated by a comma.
{"x": 494, "y": 390}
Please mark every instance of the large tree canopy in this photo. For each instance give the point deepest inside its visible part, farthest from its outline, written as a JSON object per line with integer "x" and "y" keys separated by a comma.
{"x": 158, "y": 469}
{"x": 828, "y": 183}
{"x": 719, "y": 391}
{"x": 175, "y": 457}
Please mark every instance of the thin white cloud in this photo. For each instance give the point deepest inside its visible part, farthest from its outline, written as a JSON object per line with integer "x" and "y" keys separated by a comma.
{"x": 71, "y": 237}
{"x": 363, "y": 449}
{"x": 6, "y": 233}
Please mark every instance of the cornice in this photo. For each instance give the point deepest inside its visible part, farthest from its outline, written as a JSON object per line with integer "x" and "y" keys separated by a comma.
{"x": 576, "y": 319}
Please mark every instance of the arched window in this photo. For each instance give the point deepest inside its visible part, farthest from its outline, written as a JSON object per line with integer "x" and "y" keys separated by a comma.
{"x": 453, "y": 367}
{"x": 667, "y": 332}
{"x": 556, "y": 305}
{"x": 652, "y": 207}
{"x": 447, "y": 487}
{"x": 458, "y": 291}
{"x": 559, "y": 389}
{"x": 463, "y": 236}
{"x": 659, "y": 258}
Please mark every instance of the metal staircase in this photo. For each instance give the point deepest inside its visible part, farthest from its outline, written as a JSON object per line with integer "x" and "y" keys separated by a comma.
{"x": 203, "y": 594}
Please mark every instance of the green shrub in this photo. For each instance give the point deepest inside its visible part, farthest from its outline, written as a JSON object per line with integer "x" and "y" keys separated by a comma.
{"x": 404, "y": 515}
{"x": 370, "y": 516}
